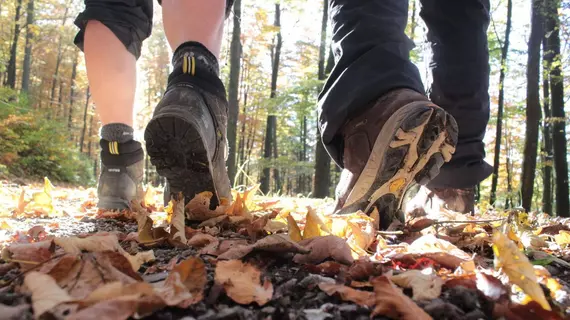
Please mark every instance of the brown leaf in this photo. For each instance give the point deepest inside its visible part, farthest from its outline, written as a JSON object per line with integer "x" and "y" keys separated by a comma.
{"x": 118, "y": 291}
{"x": 46, "y": 294}
{"x": 139, "y": 259}
{"x": 242, "y": 282}
{"x": 364, "y": 269}
{"x": 278, "y": 243}
{"x": 198, "y": 209}
{"x": 108, "y": 309}
{"x": 177, "y": 223}
{"x": 258, "y": 225}
{"x": 393, "y": 303}
{"x": 22, "y": 203}
{"x": 61, "y": 268}
{"x": 361, "y": 298}
{"x": 490, "y": 286}
{"x": 424, "y": 286}
{"x": 200, "y": 240}
{"x": 327, "y": 268}
{"x": 419, "y": 224}
{"x": 532, "y": 310}
{"x": 94, "y": 243}
{"x": 185, "y": 284}
{"x": 29, "y": 255}
{"x": 323, "y": 248}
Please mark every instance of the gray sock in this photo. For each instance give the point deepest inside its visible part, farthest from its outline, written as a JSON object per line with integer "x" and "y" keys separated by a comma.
{"x": 119, "y": 132}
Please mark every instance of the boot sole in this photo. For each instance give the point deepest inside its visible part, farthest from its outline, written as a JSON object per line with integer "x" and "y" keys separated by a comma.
{"x": 412, "y": 146}
{"x": 176, "y": 147}
{"x": 112, "y": 203}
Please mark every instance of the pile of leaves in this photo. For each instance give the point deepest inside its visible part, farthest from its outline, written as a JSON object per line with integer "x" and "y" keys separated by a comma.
{"x": 264, "y": 258}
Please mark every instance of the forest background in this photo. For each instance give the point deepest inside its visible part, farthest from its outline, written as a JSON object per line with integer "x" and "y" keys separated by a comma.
{"x": 274, "y": 60}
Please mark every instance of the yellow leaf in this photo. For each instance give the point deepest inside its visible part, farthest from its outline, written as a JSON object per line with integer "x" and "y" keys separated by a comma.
{"x": 312, "y": 225}
{"x": 177, "y": 227}
{"x": 149, "y": 199}
{"x": 517, "y": 267}
{"x": 22, "y": 203}
{"x": 294, "y": 231}
{"x": 513, "y": 236}
{"x": 562, "y": 238}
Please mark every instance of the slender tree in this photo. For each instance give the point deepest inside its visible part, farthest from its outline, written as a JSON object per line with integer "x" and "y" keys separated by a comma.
{"x": 28, "y": 50}
{"x": 233, "y": 90}
{"x": 532, "y": 105}
{"x": 270, "y": 145}
{"x": 85, "y": 111}
{"x": 501, "y": 104}
{"x": 11, "y": 69}
{"x": 546, "y": 132}
{"x": 59, "y": 56}
{"x": 322, "y": 180}
{"x": 72, "y": 93}
{"x": 558, "y": 119}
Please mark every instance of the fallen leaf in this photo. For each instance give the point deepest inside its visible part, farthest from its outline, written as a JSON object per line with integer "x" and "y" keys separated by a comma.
{"x": 201, "y": 240}
{"x": 29, "y": 255}
{"x": 22, "y": 203}
{"x": 75, "y": 245}
{"x": 140, "y": 258}
{"x": 185, "y": 284}
{"x": 392, "y": 303}
{"x": 258, "y": 225}
{"x": 118, "y": 291}
{"x": 108, "y": 309}
{"x": 516, "y": 266}
{"x": 562, "y": 238}
{"x": 428, "y": 246}
{"x": 198, "y": 209}
{"x": 242, "y": 282}
{"x": 532, "y": 241}
{"x": 42, "y": 201}
{"x": 418, "y": 224}
{"x": 364, "y": 269}
{"x": 46, "y": 294}
{"x": 277, "y": 243}
{"x": 177, "y": 223}
{"x": 293, "y": 229}
{"x": 149, "y": 200}
{"x": 323, "y": 248}
{"x": 425, "y": 286}
{"x": 327, "y": 268}
{"x": 532, "y": 310}
{"x": 361, "y": 298}
{"x": 314, "y": 226}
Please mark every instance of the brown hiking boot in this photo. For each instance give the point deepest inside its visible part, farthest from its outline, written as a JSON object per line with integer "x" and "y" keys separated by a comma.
{"x": 430, "y": 201}
{"x": 402, "y": 138}
{"x": 186, "y": 138}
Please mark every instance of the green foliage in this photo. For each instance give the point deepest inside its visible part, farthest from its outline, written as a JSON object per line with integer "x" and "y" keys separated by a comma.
{"x": 33, "y": 147}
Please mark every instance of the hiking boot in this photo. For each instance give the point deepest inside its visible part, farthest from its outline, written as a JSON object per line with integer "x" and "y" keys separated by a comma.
{"x": 430, "y": 201}
{"x": 122, "y": 170}
{"x": 186, "y": 138}
{"x": 402, "y": 138}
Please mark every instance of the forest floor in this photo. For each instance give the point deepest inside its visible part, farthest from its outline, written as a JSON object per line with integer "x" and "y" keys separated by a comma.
{"x": 271, "y": 258}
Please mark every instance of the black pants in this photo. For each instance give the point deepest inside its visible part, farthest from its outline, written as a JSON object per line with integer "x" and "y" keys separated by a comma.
{"x": 129, "y": 20}
{"x": 371, "y": 54}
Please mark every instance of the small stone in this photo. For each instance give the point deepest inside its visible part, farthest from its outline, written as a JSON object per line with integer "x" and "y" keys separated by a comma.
{"x": 268, "y": 310}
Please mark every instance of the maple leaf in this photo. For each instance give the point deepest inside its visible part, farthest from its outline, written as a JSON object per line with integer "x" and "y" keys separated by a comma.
{"x": 185, "y": 284}
{"x": 361, "y": 298}
{"x": 425, "y": 286}
{"x": 517, "y": 267}
{"x": 198, "y": 209}
{"x": 277, "y": 243}
{"x": 75, "y": 245}
{"x": 242, "y": 282}
{"x": 46, "y": 294}
{"x": 391, "y": 302}
{"x": 29, "y": 255}
{"x": 323, "y": 248}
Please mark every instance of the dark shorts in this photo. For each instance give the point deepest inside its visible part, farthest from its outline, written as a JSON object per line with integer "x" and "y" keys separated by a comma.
{"x": 129, "y": 20}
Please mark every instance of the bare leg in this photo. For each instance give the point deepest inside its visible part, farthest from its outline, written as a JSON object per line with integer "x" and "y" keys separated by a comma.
{"x": 111, "y": 71}
{"x": 194, "y": 20}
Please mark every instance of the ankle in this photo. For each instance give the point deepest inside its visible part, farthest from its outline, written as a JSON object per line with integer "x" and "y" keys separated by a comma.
{"x": 114, "y": 153}
{"x": 194, "y": 64}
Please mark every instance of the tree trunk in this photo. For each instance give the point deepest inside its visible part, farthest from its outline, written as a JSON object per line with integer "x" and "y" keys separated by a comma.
{"x": 501, "y": 104}
{"x": 532, "y": 105}
{"x": 84, "y": 131}
{"x": 11, "y": 69}
{"x": 322, "y": 180}
{"x": 557, "y": 108}
{"x": 72, "y": 93}
{"x": 28, "y": 51}
{"x": 271, "y": 128}
{"x": 546, "y": 132}
{"x": 233, "y": 91}
{"x": 58, "y": 60}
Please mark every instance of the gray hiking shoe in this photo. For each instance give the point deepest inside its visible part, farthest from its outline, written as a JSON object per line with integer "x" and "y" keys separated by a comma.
{"x": 402, "y": 138}
{"x": 121, "y": 176}
{"x": 186, "y": 138}
{"x": 430, "y": 201}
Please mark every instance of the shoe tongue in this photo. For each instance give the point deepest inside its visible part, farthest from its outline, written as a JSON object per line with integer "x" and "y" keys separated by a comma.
{"x": 194, "y": 52}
